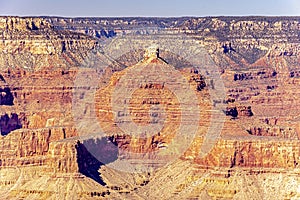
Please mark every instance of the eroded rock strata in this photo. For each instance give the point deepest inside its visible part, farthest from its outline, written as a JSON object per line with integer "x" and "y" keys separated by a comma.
{"x": 45, "y": 155}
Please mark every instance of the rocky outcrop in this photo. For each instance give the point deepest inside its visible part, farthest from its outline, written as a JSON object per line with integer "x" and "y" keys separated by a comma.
{"x": 23, "y": 144}
{"x": 239, "y": 111}
{"x": 22, "y": 24}
{"x": 33, "y": 43}
{"x": 252, "y": 154}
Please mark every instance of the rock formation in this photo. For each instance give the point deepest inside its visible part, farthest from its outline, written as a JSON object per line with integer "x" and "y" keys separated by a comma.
{"x": 45, "y": 155}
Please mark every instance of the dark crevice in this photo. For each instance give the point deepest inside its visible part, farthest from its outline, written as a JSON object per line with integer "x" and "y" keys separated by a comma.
{"x": 6, "y": 97}
{"x": 231, "y": 112}
{"x": 92, "y": 154}
{"x": 10, "y": 123}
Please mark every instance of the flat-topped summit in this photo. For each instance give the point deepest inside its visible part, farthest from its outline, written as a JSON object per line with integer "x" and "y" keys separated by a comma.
{"x": 152, "y": 56}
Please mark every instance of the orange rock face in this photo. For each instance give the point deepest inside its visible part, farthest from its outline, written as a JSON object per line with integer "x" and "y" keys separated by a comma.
{"x": 81, "y": 119}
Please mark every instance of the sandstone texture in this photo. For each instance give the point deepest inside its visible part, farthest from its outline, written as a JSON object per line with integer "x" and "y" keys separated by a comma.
{"x": 49, "y": 149}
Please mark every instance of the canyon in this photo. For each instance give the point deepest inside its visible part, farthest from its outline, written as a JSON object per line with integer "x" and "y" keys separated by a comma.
{"x": 229, "y": 88}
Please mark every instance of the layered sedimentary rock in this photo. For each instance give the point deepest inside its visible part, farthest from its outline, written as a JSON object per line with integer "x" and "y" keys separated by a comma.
{"x": 45, "y": 156}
